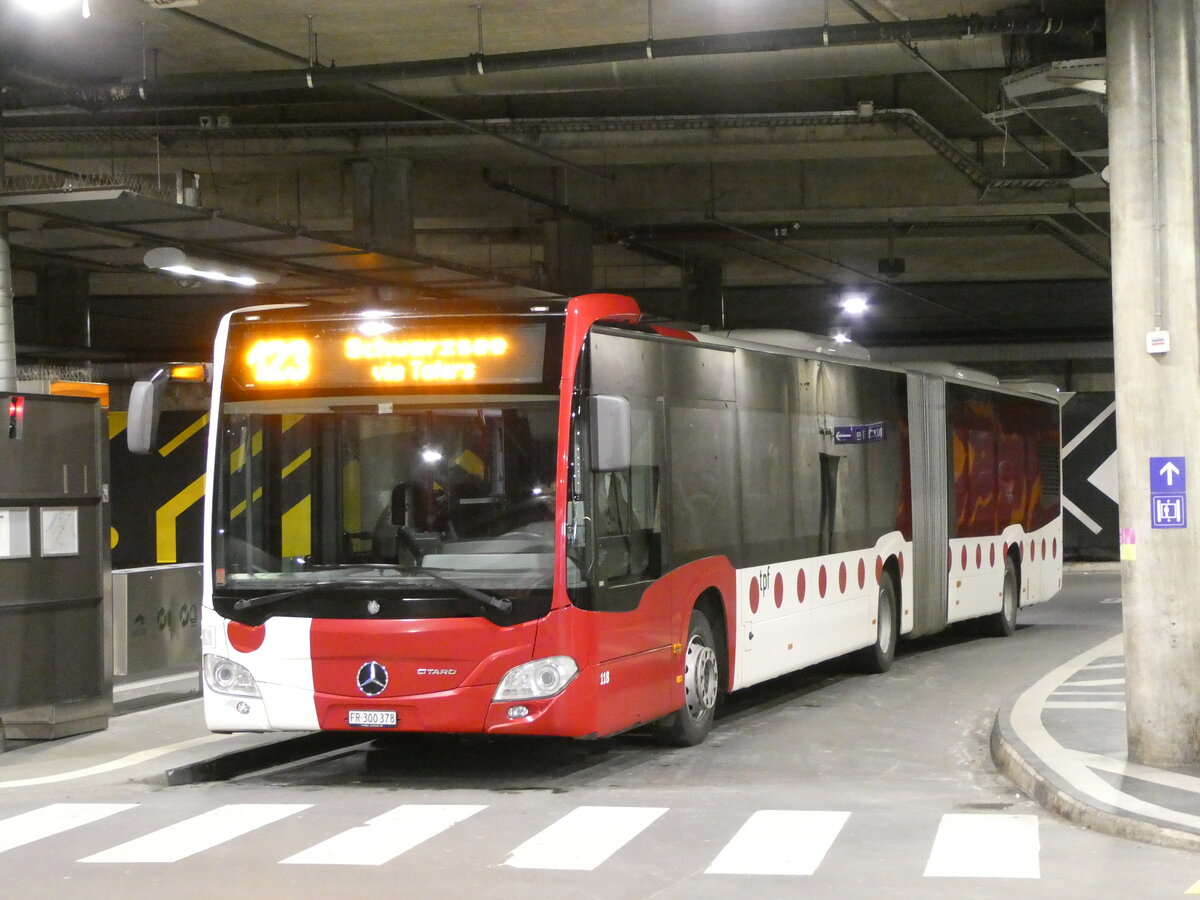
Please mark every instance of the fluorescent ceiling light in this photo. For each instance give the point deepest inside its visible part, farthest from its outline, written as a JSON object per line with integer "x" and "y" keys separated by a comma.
{"x": 175, "y": 261}
{"x": 50, "y": 7}
{"x": 841, "y": 337}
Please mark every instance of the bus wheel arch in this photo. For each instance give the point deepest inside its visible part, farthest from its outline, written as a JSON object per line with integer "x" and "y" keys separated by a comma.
{"x": 877, "y": 656}
{"x": 705, "y": 675}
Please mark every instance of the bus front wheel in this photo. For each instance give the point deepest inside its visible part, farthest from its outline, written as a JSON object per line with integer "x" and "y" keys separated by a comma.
{"x": 691, "y": 723}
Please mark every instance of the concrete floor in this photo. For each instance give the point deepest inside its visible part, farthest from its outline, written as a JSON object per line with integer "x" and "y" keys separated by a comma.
{"x": 823, "y": 784}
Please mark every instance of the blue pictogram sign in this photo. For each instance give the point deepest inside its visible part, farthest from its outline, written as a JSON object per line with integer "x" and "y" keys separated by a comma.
{"x": 1168, "y": 492}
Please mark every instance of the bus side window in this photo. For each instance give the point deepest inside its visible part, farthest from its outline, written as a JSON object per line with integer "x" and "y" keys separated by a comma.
{"x": 628, "y": 528}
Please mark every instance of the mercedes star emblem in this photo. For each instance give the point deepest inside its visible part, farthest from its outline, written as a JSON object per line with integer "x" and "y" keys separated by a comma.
{"x": 372, "y": 678}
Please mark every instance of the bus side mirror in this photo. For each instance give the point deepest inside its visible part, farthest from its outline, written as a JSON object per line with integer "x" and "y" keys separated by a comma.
{"x": 145, "y": 405}
{"x": 609, "y": 428}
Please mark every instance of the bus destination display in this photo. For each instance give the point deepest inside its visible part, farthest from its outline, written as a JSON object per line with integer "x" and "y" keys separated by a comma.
{"x": 420, "y": 358}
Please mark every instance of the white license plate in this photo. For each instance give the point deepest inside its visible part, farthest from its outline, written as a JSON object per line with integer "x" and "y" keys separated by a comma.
{"x": 373, "y": 718}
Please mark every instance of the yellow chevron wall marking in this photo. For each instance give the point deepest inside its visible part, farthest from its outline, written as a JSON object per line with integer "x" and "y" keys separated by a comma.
{"x": 297, "y": 530}
{"x": 237, "y": 458}
{"x": 165, "y": 519}
{"x": 297, "y": 463}
{"x": 173, "y": 444}
{"x": 117, "y": 422}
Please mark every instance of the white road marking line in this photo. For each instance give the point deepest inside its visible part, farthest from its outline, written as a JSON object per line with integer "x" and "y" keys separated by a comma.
{"x": 1098, "y": 682}
{"x": 1082, "y": 704}
{"x": 53, "y": 819}
{"x": 125, "y": 761}
{"x": 186, "y": 838}
{"x": 780, "y": 842}
{"x": 583, "y": 838}
{"x": 978, "y": 845}
{"x": 385, "y": 837}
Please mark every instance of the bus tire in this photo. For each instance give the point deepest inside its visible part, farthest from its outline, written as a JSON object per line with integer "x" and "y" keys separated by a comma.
{"x": 690, "y": 724}
{"x": 878, "y": 657}
{"x": 1004, "y": 623}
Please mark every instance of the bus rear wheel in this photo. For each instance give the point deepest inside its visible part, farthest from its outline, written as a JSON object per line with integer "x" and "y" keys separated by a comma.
{"x": 878, "y": 657}
{"x": 1004, "y": 623}
{"x": 690, "y": 724}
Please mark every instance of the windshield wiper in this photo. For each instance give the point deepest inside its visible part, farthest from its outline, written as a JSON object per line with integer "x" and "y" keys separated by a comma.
{"x": 500, "y": 603}
{"x": 268, "y": 599}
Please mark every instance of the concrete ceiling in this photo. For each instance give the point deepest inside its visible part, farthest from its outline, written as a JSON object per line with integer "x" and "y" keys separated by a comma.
{"x": 744, "y": 159}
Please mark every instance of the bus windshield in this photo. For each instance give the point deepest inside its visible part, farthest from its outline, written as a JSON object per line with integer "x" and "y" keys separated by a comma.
{"x": 385, "y": 493}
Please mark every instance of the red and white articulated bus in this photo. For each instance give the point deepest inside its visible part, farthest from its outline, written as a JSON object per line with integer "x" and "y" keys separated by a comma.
{"x": 567, "y": 521}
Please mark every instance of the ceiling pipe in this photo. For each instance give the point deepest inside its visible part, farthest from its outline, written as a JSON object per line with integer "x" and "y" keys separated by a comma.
{"x": 614, "y": 233}
{"x": 208, "y": 84}
{"x": 716, "y": 232}
{"x": 858, "y": 275}
{"x": 911, "y": 48}
{"x": 643, "y": 126}
{"x": 377, "y": 91}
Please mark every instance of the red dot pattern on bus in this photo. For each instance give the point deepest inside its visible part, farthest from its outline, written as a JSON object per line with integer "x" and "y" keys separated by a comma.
{"x": 996, "y": 552}
{"x": 246, "y": 638}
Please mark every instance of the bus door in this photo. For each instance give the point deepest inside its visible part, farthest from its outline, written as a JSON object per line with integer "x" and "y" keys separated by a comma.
{"x": 624, "y": 498}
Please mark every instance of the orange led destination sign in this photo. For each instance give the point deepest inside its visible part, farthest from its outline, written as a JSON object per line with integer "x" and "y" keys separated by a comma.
{"x": 444, "y": 359}
{"x": 422, "y": 359}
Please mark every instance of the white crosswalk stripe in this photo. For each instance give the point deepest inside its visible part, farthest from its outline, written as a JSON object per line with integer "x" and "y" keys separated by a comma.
{"x": 770, "y": 842}
{"x": 976, "y": 845}
{"x": 584, "y": 837}
{"x": 54, "y": 819}
{"x": 385, "y": 837}
{"x": 780, "y": 842}
{"x": 198, "y": 833}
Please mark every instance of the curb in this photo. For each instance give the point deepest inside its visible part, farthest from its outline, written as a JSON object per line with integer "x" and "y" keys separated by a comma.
{"x": 1013, "y": 759}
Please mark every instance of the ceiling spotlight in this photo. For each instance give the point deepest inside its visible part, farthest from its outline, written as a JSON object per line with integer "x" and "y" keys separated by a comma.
{"x": 854, "y": 304}
{"x": 175, "y": 261}
{"x": 841, "y": 337}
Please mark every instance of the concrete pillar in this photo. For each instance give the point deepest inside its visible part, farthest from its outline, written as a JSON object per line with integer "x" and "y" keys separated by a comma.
{"x": 383, "y": 216}
{"x": 567, "y": 244}
{"x": 61, "y": 314}
{"x": 1152, "y": 99}
{"x": 8, "y": 329}
{"x": 704, "y": 282}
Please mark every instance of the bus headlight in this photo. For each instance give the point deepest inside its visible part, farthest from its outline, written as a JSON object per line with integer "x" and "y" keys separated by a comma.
{"x": 227, "y": 677}
{"x": 538, "y": 679}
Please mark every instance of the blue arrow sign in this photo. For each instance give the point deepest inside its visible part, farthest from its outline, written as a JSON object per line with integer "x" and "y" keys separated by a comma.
{"x": 1168, "y": 474}
{"x": 1168, "y": 492}
{"x": 859, "y": 434}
